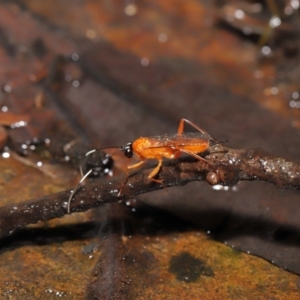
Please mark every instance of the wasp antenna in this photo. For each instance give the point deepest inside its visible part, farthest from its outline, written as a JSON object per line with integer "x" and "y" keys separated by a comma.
{"x": 91, "y": 151}
{"x": 100, "y": 149}
{"x": 110, "y": 147}
{"x": 76, "y": 189}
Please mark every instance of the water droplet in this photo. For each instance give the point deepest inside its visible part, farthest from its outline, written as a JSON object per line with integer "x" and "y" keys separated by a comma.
{"x": 145, "y": 62}
{"x": 68, "y": 78}
{"x": 7, "y": 88}
{"x": 5, "y": 154}
{"x": 239, "y": 14}
{"x": 18, "y": 124}
{"x": 295, "y": 95}
{"x": 91, "y": 33}
{"x": 274, "y": 90}
{"x": 274, "y": 22}
{"x": 4, "y": 108}
{"x": 266, "y": 50}
{"x": 162, "y": 38}
{"x": 130, "y": 9}
{"x": 75, "y": 56}
{"x": 76, "y": 83}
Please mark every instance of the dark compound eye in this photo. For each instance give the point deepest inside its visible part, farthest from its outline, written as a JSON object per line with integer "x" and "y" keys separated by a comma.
{"x": 128, "y": 150}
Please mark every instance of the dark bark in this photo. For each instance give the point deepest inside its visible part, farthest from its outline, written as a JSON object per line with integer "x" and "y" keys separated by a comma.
{"x": 229, "y": 167}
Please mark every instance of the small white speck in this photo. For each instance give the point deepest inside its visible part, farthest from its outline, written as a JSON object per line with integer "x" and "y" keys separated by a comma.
{"x": 5, "y": 155}
{"x": 274, "y": 90}
{"x": 288, "y": 10}
{"x": 32, "y": 77}
{"x": 130, "y": 9}
{"x": 7, "y": 88}
{"x": 234, "y": 188}
{"x": 239, "y": 14}
{"x": 145, "y": 62}
{"x": 76, "y": 83}
{"x": 91, "y": 34}
{"x": 68, "y": 78}
{"x": 162, "y": 38}
{"x": 18, "y": 124}
{"x": 266, "y": 50}
{"x": 295, "y": 4}
{"x": 275, "y": 22}
{"x": 294, "y": 104}
{"x": 295, "y": 95}
{"x": 75, "y": 56}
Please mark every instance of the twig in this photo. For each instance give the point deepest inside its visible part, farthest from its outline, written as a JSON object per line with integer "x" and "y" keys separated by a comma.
{"x": 230, "y": 167}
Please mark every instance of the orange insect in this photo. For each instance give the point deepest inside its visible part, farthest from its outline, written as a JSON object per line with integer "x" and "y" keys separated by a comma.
{"x": 159, "y": 147}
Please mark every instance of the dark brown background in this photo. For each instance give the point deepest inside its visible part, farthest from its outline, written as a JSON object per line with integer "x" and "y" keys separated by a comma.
{"x": 196, "y": 68}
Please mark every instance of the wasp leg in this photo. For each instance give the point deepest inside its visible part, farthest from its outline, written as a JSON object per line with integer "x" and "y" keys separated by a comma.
{"x": 197, "y": 156}
{"x": 127, "y": 176}
{"x": 155, "y": 171}
{"x": 136, "y": 165}
{"x": 181, "y": 128}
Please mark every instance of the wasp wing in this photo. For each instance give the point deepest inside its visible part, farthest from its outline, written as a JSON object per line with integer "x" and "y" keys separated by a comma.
{"x": 178, "y": 140}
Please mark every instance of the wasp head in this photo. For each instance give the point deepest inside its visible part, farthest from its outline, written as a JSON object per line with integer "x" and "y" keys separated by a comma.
{"x": 128, "y": 152}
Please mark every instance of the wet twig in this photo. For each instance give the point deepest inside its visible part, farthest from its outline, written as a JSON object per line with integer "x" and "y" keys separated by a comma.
{"x": 230, "y": 167}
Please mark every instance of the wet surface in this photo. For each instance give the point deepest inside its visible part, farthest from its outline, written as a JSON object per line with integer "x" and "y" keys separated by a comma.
{"x": 106, "y": 73}
{"x": 188, "y": 268}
